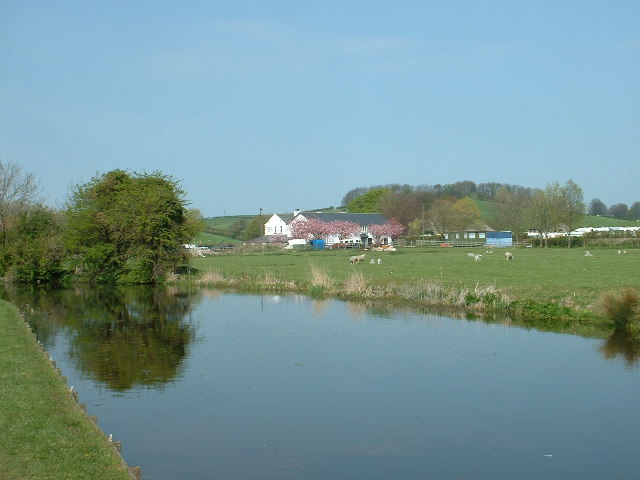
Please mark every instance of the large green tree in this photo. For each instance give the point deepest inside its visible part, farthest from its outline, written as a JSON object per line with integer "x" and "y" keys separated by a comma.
{"x": 128, "y": 228}
{"x": 33, "y": 252}
{"x": 369, "y": 202}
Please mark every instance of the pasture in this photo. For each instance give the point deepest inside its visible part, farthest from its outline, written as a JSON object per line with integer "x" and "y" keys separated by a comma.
{"x": 564, "y": 276}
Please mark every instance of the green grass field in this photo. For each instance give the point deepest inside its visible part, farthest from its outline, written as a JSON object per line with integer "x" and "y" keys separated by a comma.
{"x": 563, "y": 276}
{"x": 44, "y": 434}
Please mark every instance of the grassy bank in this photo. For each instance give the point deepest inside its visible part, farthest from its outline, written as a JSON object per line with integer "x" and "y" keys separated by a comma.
{"x": 44, "y": 433}
{"x": 538, "y": 285}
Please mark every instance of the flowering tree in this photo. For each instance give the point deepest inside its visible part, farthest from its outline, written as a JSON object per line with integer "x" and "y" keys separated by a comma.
{"x": 343, "y": 228}
{"x": 278, "y": 239}
{"x": 391, "y": 229}
{"x": 309, "y": 228}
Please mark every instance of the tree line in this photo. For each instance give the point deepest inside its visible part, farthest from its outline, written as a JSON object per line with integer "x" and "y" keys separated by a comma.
{"x": 412, "y": 199}
{"x": 441, "y": 208}
{"x": 120, "y": 227}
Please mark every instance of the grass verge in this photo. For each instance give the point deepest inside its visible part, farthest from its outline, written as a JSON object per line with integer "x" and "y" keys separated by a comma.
{"x": 44, "y": 433}
{"x": 555, "y": 289}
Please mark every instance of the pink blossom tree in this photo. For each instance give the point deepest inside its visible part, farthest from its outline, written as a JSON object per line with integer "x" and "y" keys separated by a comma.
{"x": 278, "y": 239}
{"x": 343, "y": 228}
{"x": 308, "y": 228}
{"x": 390, "y": 229}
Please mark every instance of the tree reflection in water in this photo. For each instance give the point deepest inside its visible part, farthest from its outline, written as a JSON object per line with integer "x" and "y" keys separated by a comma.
{"x": 123, "y": 337}
{"x": 624, "y": 343}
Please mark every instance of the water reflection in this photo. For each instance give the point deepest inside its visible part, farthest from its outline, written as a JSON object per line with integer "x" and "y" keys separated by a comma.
{"x": 623, "y": 343}
{"x": 126, "y": 337}
{"x": 292, "y": 387}
{"x": 121, "y": 337}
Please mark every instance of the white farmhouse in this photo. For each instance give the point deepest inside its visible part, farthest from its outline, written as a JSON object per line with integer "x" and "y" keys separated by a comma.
{"x": 279, "y": 224}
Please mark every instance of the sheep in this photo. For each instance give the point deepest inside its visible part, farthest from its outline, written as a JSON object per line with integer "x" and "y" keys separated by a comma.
{"x": 354, "y": 259}
{"x": 508, "y": 255}
{"x": 379, "y": 261}
{"x": 478, "y": 257}
{"x": 470, "y": 254}
{"x": 372, "y": 261}
{"x": 588, "y": 254}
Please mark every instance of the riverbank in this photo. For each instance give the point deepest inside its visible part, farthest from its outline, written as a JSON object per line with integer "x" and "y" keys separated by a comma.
{"x": 554, "y": 289}
{"x": 44, "y": 432}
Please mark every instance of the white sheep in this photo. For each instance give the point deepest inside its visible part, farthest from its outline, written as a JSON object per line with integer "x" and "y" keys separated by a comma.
{"x": 508, "y": 255}
{"x": 478, "y": 257}
{"x": 357, "y": 258}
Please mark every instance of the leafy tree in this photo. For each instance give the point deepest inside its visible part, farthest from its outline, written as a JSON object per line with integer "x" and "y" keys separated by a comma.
{"x": 254, "y": 228}
{"x": 370, "y": 202}
{"x": 415, "y": 227}
{"x": 634, "y": 211}
{"x": 353, "y": 194}
{"x": 238, "y": 227}
{"x": 513, "y": 204}
{"x": 462, "y": 189}
{"x": 545, "y": 210}
{"x": 468, "y": 214}
{"x": 597, "y": 207}
{"x": 441, "y": 215}
{"x": 403, "y": 206}
{"x": 619, "y": 210}
{"x": 572, "y": 213}
{"x": 128, "y": 228}
{"x": 34, "y": 252}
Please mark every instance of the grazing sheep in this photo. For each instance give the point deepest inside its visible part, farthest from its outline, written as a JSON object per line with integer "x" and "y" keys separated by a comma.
{"x": 379, "y": 261}
{"x": 478, "y": 257}
{"x": 372, "y": 261}
{"x": 588, "y": 254}
{"x": 356, "y": 258}
{"x": 508, "y": 255}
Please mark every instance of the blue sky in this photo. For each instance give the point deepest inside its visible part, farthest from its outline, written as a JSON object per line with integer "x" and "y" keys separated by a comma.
{"x": 278, "y": 105}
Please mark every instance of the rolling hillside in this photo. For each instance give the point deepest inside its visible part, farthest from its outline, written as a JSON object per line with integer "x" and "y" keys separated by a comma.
{"x": 230, "y": 229}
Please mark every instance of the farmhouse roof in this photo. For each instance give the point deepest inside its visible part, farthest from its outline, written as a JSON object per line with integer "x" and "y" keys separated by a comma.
{"x": 359, "y": 218}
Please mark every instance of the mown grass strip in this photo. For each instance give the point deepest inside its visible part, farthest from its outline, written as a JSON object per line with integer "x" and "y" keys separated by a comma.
{"x": 44, "y": 433}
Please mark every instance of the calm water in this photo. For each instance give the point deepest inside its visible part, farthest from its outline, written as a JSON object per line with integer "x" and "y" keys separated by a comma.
{"x": 211, "y": 385}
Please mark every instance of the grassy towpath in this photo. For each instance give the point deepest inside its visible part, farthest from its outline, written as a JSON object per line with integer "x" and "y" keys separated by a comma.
{"x": 44, "y": 433}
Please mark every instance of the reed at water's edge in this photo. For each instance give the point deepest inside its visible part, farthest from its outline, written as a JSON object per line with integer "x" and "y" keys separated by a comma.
{"x": 556, "y": 289}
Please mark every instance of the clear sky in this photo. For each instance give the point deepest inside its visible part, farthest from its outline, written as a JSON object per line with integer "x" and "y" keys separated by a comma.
{"x": 278, "y": 105}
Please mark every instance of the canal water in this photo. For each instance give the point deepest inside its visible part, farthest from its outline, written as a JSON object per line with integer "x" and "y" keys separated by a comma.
{"x": 202, "y": 384}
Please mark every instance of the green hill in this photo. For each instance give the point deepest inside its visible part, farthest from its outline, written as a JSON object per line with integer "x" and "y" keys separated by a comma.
{"x": 231, "y": 229}
{"x": 600, "y": 221}
{"x": 227, "y": 229}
